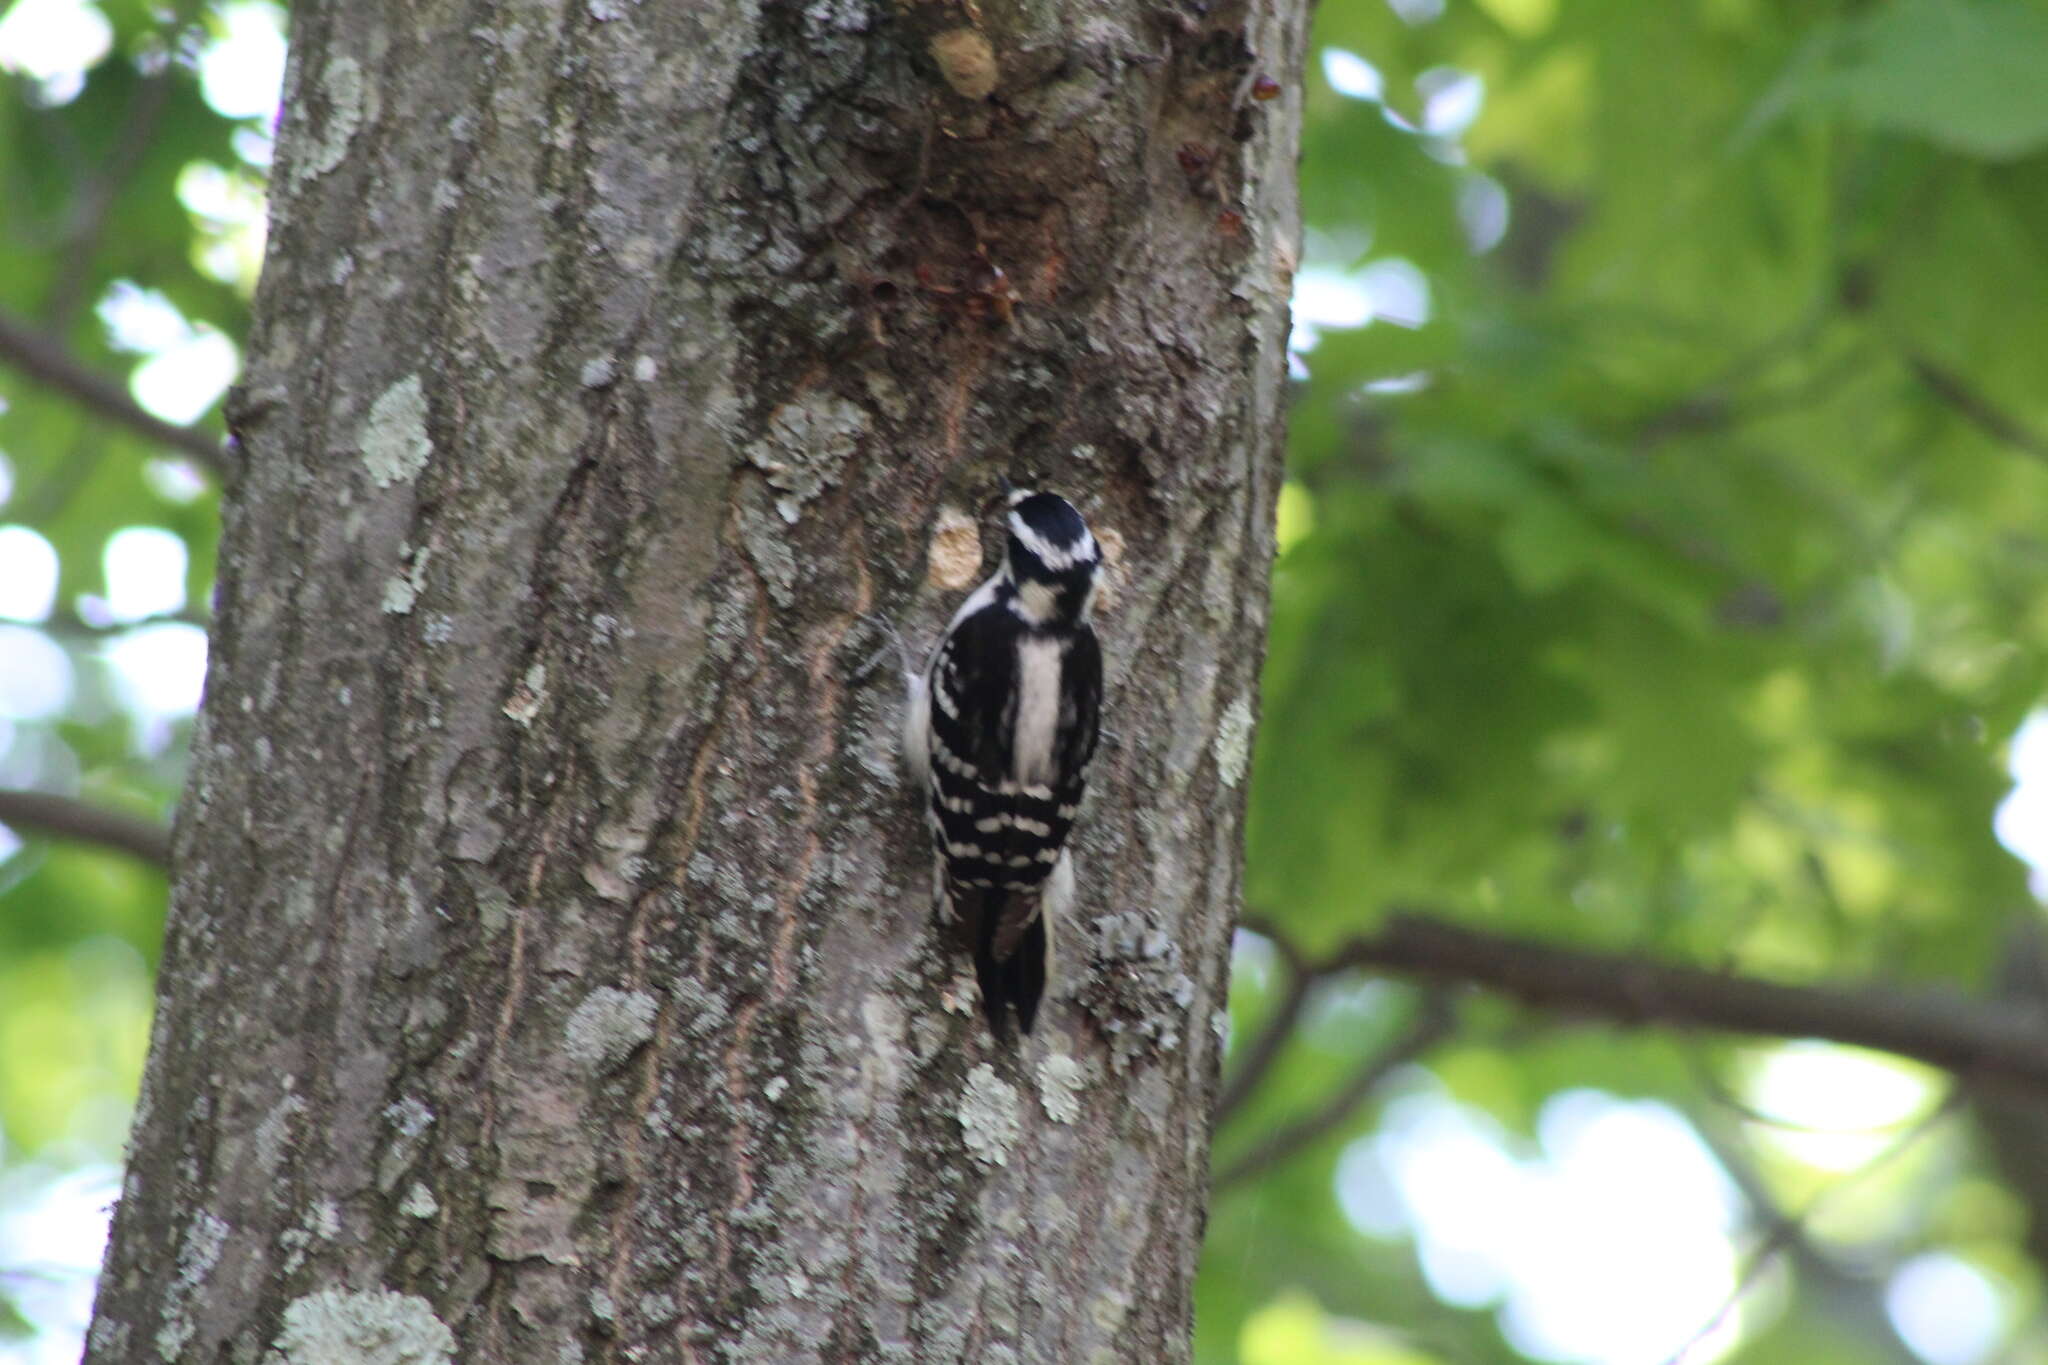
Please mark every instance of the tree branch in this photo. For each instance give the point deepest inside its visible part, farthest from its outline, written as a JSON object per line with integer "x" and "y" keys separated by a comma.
{"x": 1978, "y": 1041}
{"x": 1853, "y": 1301}
{"x": 67, "y": 818}
{"x": 42, "y": 359}
{"x": 73, "y": 626}
{"x": 1433, "y": 1022}
{"x": 1264, "y": 1048}
{"x": 1786, "y": 1232}
{"x": 1994, "y": 421}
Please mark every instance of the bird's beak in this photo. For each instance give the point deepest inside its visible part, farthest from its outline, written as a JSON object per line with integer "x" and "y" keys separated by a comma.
{"x": 1001, "y": 497}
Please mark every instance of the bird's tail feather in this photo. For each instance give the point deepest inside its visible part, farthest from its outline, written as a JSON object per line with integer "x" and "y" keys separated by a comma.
{"x": 1015, "y": 979}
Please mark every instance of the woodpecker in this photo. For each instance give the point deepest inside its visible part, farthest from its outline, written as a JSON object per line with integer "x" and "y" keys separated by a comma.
{"x": 1000, "y": 725}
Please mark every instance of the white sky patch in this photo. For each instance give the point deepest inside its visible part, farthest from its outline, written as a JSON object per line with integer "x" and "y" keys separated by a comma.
{"x": 1327, "y": 300}
{"x": 159, "y": 670}
{"x": 1399, "y": 291}
{"x": 1858, "y": 1101}
{"x": 1460, "y": 1189}
{"x": 64, "y": 1218}
{"x": 1947, "y": 1310}
{"x": 174, "y": 480}
{"x": 6, "y": 469}
{"x": 1331, "y": 298}
{"x": 141, "y": 320}
{"x": 1482, "y": 212}
{"x": 54, "y": 40}
{"x": 1253, "y": 960}
{"x": 188, "y": 367}
{"x": 35, "y": 675}
{"x": 228, "y": 208}
{"x": 1352, "y": 75}
{"x": 28, "y": 574}
{"x": 145, "y": 569}
{"x": 1451, "y": 100}
{"x": 1415, "y": 381}
{"x": 1416, "y": 12}
{"x": 242, "y": 70}
{"x": 1612, "y": 1245}
{"x": 180, "y": 383}
{"x": 256, "y": 146}
{"x": 2022, "y": 819}
{"x": 207, "y": 191}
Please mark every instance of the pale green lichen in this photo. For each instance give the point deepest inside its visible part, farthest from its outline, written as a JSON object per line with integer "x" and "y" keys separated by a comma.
{"x": 608, "y": 1025}
{"x": 198, "y": 1253}
{"x": 108, "y": 1340}
{"x": 394, "y": 442}
{"x": 1233, "y": 744}
{"x": 991, "y": 1119}
{"x": 409, "y": 1119}
{"x": 419, "y": 1202}
{"x": 1060, "y": 1082}
{"x": 402, "y": 589}
{"x": 1143, "y": 1011}
{"x": 335, "y": 1327}
{"x": 1109, "y": 1308}
{"x": 275, "y": 1131}
{"x": 808, "y": 439}
{"x": 346, "y": 95}
{"x": 763, "y": 541}
{"x": 322, "y": 1222}
{"x": 525, "y": 702}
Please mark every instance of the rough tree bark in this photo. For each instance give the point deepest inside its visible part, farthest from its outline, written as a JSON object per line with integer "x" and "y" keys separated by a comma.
{"x": 550, "y": 973}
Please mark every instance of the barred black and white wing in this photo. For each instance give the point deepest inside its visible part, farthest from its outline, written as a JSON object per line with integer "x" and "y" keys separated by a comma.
{"x": 1013, "y": 721}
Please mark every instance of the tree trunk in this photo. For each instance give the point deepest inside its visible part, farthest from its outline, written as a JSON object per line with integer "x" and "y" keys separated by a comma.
{"x": 551, "y": 972}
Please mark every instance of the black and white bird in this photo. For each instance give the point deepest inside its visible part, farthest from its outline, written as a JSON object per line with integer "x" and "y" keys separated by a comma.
{"x": 999, "y": 729}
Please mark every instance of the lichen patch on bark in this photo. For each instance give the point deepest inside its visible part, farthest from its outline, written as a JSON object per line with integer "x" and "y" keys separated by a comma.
{"x": 990, "y": 1115}
{"x": 608, "y": 1025}
{"x": 378, "y": 1327}
{"x": 394, "y": 440}
{"x": 1233, "y": 746}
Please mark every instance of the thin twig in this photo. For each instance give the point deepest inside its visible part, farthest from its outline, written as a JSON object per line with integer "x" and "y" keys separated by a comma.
{"x": 1786, "y": 1231}
{"x": 67, "y": 818}
{"x": 1718, "y": 1093}
{"x": 1994, "y": 421}
{"x": 1264, "y": 1048}
{"x": 95, "y": 199}
{"x": 1853, "y": 1299}
{"x": 1434, "y": 1021}
{"x": 70, "y": 625}
{"x": 42, "y": 359}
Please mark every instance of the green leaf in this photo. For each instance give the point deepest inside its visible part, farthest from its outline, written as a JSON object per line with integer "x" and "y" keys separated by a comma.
{"x": 1965, "y": 74}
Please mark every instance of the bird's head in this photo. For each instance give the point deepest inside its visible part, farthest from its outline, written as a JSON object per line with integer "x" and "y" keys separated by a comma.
{"x": 1052, "y": 559}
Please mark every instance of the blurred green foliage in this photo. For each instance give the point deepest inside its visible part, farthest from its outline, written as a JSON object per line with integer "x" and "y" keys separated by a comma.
{"x": 89, "y": 178}
{"x": 1673, "y": 587}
